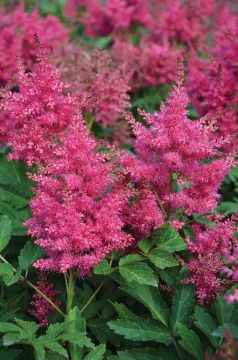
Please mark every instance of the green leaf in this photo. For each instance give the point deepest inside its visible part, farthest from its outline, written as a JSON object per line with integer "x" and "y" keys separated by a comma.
{"x": 220, "y": 331}
{"x": 52, "y": 345}
{"x": 28, "y": 328}
{"x": 139, "y": 272}
{"x": 145, "y": 245}
{"x": 76, "y": 324}
{"x": 226, "y": 313}
{"x": 206, "y": 324}
{"x": 141, "y": 329}
{"x": 132, "y": 258}
{"x": 9, "y": 327}
{"x": 162, "y": 259}
{"x": 6, "y": 269}
{"x": 103, "y": 268}
{"x": 11, "y": 339}
{"x": 11, "y": 279}
{"x": 97, "y": 353}
{"x": 168, "y": 239}
{"x": 182, "y": 306}
{"x": 228, "y": 207}
{"x": 123, "y": 312}
{"x": 190, "y": 342}
{"x": 146, "y": 354}
{"x": 150, "y": 297}
{"x": 29, "y": 254}
{"x": 5, "y": 231}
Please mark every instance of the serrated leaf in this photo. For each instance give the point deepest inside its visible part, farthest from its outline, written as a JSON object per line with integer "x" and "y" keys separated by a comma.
{"x": 29, "y": 254}
{"x": 141, "y": 330}
{"x": 6, "y": 269}
{"x": 28, "y": 328}
{"x": 103, "y": 268}
{"x": 150, "y": 297}
{"x": 162, "y": 259}
{"x": 123, "y": 312}
{"x": 168, "y": 239}
{"x": 132, "y": 258}
{"x": 139, "y": 272}
{"x": 5, "y": 231}
{"x": 9, "y": 327}
{"x": 97, "y": 353}
{"x": 54, "y": 346}
{"x": 190, "y": 342}
{"x": 146, "y": 354}
{"x": 182, "y": 305}
{"x": 206, "y": 324}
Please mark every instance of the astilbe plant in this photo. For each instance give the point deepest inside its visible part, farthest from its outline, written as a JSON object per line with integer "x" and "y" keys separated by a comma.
{"x": 17, "y": 29}
{"x": 170, "y": 172}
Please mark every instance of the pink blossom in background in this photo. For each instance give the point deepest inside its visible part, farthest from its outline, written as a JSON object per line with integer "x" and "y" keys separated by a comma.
{"x": 41, "y": 307}
{"x": 17, "y": 29}
{"x": 212, "y": 83}
{"x": 100, "y": 84}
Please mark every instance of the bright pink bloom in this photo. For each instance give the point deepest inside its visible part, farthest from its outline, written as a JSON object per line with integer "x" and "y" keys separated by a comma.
{"x": 41, "y": 307}
{"x": 77, "y": 211}
{"x": 33, "y": 117}
{"x": 170, "y": 154}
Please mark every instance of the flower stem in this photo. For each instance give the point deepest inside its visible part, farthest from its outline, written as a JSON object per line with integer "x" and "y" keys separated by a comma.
{"x": 70, "y": 291}
{"x": 36, "y": 289}
{"x": 93, "y": 296}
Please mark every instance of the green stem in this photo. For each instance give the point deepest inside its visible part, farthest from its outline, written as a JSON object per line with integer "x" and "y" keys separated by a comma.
{"x": 36, "y": 289}
{"x": 45, "y": 297}
{"x": 93, "y": 296}
{"x": 70, "y": 291}
{"x": 177, "y": 349}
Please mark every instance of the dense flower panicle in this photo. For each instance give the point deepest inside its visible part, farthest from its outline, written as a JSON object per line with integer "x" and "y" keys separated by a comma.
{"x": 33, "y": 117}
{"x": 170, "y": 154}
{"x": 210, "y": 248}
{"x": 77, "y": 209}
{"x": 17, "y": 29}
{"x": 213, "y": 82}
{"x": 101, "y": 85}
{"x": 41, "y": 307}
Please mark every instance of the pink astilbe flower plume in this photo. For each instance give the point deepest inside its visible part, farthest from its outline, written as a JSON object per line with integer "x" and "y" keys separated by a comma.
{"x": 77, "y": 211}
{"x": 32, "y": 118}
{"x": 41, "y": 307}
{"x": 170, "y": 158}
